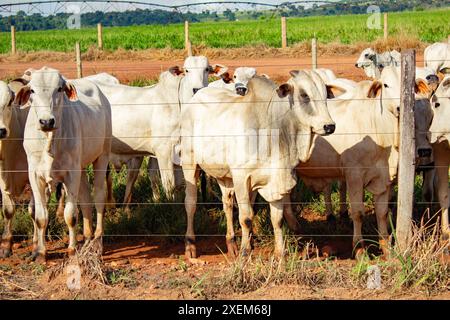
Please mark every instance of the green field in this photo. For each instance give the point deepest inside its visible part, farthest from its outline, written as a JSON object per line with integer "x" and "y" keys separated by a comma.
{"x": 427, "y": 26}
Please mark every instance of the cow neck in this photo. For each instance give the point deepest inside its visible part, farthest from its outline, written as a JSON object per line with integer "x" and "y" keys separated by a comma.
{"x": 383, "y": 115}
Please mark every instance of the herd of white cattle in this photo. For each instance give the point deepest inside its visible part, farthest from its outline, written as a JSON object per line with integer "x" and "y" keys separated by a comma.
{"x": 245, "y": 131}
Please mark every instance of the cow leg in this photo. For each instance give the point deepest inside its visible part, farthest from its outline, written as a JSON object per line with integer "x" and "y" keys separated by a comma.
{"x": 227, "y": 200}
{"x": 111, "y": 202}
{"x": 443, "y": 194}
{"x": 166, "y": 170}
{"x": 8, "y": 207}
{"x": 245, "y": 214}
{"x": 191, "y": 174}
{"x": 38, "y": 186}
{"x": 381, "y": 212}
{"x": 276, "y": 216}
{"x": 289, "y": 215}
{"x": 356, "y": 194}
{"x": 86, "y": 206}
{"x": 32, "y": 212}
{"x": 343, "y": 208}
{"x": 72, "y": 186}
{"x": 100, "y": 165}
{"x": 154, "y": 177}
{"x": 133, "y": 166}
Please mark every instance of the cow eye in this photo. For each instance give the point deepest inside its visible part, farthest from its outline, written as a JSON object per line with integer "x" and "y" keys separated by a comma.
{"x": 437, "y": 105}
{"x": 386, "y": 86}
{"x": 60, "y": 89}
{"x": 234, "y": 77}
{"x": 366, "y": 55}
{"x": 304, "y": 97}
{"x": 32, "y": 91}
{"x": 186, "y": 70}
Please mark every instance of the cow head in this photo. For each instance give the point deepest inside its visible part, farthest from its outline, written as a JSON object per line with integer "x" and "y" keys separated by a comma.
{"x": 423, "y": 115}
{"x": 428, "y": 75}
{"x": 367, "y": 61}
{"x": 196, "y": 70}
{"x": 241, "y": 77}
{"x": 387, "y": 89}
{"x": 307, "y": 95}
{"x": 6, "y": 98}
{"x": 47, "y": 93}
{"x": 440, "y": 126}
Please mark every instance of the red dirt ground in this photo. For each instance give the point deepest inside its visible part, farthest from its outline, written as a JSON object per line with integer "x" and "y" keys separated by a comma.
{"x": 276, "y": 68}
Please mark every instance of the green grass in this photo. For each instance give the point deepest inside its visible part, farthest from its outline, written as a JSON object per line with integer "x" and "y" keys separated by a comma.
{"x": 427, "y": 26}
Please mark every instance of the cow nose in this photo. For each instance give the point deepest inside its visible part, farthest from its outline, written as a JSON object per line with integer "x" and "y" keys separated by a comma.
{"x": 329, "y": 128}
{"x": 3, "y": 133}
{"x": 241, "y": 91}
{"x": 47, "y": 125}
{"x": 432, "y": 78}
{"x": 195, "y": 90}
{"x": 424, "y": 152}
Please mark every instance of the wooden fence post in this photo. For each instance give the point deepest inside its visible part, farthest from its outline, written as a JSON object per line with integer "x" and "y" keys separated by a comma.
{"x": 283, "y": 32}
{"x": 100, "y": 36}
{"x": 448, "y": 40}
{"x": 13, "y": 40}
{"x": 314, "y": 52}
{"x": 386, "y": 33}
{"x": 407, "y": 149}
{"x": 189, "y": 49}
{"x": 78, "y": 58}
{"x": 186, "y": 35}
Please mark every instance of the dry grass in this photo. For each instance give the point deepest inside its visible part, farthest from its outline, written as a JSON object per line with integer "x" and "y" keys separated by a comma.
{"x": 254, "y": 52}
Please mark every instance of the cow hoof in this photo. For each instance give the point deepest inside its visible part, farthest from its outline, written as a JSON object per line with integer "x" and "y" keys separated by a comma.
{"x": 38, "y": 257}
{"x": 233, "y": 250}
{"x": 71, "y": 252}
{"x": 5, "y": 252}
{"x": 360, "y": 254}
{"x": 190, "y": 251}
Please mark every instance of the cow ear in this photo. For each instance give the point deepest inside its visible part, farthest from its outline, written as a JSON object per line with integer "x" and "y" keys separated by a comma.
{"x": 217, "y": 69}
{"x": 421, "y": 88}
{"x": 374, "y": 90}
{"x": 294, "y": 73}
{"x": 226, "y": 77}
{"x": 446, "y": 83}
{"x": 22, "y": 96}
{"x": 70, "y": 91}
{"x": 175, "y": 70}
{"x": 334, "y": 91}
{"x": 284, "y": 90}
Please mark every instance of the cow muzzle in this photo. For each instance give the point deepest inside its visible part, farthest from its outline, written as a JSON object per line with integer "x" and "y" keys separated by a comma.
{"x": 240, "y": 89}
{"x": 47, "y": 125}
{"x": 3, "y": 133}
{"x": 329, "y": 128}
{"x": 424, "y": 152}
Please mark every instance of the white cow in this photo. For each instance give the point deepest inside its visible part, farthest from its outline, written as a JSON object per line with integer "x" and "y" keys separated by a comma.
{"x": 68, "y": 127}
{"x": 103, "y": 77}
{"x": 372, "y": 62}
{"x": 440, "y": 137}
{"x": 238, "y": 82}
{"x": 270, "y": 133}
{"x": 363, "y": 150}
{"x": 146, "y": 121}
{"x": 13, "y": 164}
{"x": 437, "y": 57}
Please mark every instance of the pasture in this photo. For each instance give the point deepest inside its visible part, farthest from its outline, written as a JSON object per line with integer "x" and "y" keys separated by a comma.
{"x": 426, "y": 26}
{"x": 143, "y": 256}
